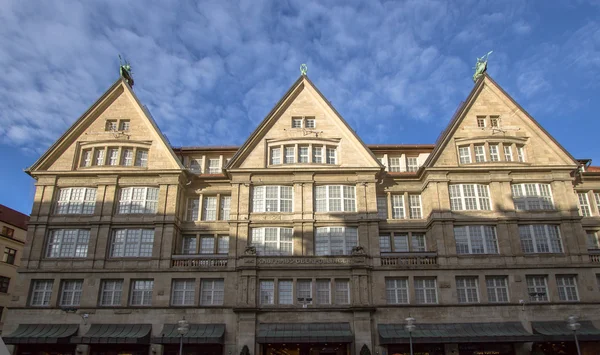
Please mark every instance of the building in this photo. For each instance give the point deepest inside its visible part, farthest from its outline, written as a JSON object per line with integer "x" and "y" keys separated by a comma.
{"x": 304, "y": 240}
{"x": 13, "y": 229}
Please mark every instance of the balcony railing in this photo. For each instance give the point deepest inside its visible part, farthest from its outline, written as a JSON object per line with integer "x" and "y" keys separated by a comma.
{"x": 594, "y": 256}
{"x": 408, "y": 259}
{"x": 201, "y": 261}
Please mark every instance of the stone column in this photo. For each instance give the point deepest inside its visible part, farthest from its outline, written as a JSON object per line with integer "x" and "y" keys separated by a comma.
{"x": 362, "y": 331}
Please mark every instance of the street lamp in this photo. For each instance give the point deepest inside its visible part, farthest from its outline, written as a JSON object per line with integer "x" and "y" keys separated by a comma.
{"x": 574, "y": 326}
{"x": 410, "y": 327}
{"x": 182, "y": 328}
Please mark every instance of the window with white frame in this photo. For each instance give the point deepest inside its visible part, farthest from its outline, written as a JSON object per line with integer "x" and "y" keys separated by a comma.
{"x": 494, "y": 155}
{"x": 521, "y": 153}
{"x": 124, "y": 125}
{"x": 209, "y": 208}
{"x": 415, "y": 206}
{"x": 99, "y": 156}
{"x": 398, "y": 211}
{"x": 286, "y": 291}
{"x": 193, "y": 208}
{"x": 214, "y": 166}
{"x": 267, "y": 292}
{"x": 425, "y": 290}
{"x": 86, "y": 158}
{"x": 418, "y": 242}
{"x": 70, "y": 293}
{"x": 127, "y": 156}
{"x": 467, "y": 289}
{"x": 540, "y": 238}
{"x": 272, "y": 198}
{"x": 296, "y": 122}
{"x": 593, "y": 241}
{"x": 466, "y": 197}
{"x": 184, "y": 292}
{"x": 113, "y": 156}
{"x": 495, "y": 121}
{"x": 508, "y": 153}
{"x": 382, "y": 211}
{"x": 335, "y": 198}
{"x": 412, "y": 164}
{"x": 597, "y": 198}
{"x": 111, "y": 125}
{"x": 290, "y": 155}
{"x": 273, "y": 240}
{"x": 464, "y": 154}
{"x": 224, "y": 208}
{"x": 188, "y": 244}
{"x": 132, "y": 243}
{"x": 537, "y": 288}
{"x": 68, "y": 243}
{"x": 275, "y": 154}
{"x": 342, "y": 291}
{"x": 207, "y": 244}
{"x": 479, "y": 153}
{"x": 111, "y": 292}
{"x": 567, "y": 288}
{"x": 310, "y": 122}
{"x": 141, "y": 157}
{"x": 41, "y": 290}
{"x": 395, "y": 165}
{"x": 584, "y": 204}
{"x": 223, "y": 244}
{"x": 196, "y": 165}
{"x": 138, "y": 200}
{"x": 304, "y": 289}
{"x": 532, "y": 197}
{"x": 396, "y": 290}
{"x": 317, "y": 154}
{"x": 212, "y": 292}
{"x": 335, "y": 240}
{"x": 76, "y": 200}
{"x": 476, "y": 240}
{"x": 497, "y": 289}
{"x": 141, "y": 292}
{"x": 331, "y": 157}
{"x": 323, "y": 291}
{"x": 481, "y": 121}
{"x": 303, "y": 156}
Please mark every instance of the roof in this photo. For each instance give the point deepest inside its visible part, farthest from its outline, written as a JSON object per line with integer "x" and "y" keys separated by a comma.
{"x": 558, "y": 331}
{"x": 304, "y": 333}
{"x": 370, "y": 146}
{"x": 41, "y": 334}
{"x": 592, "y": 169}
{"x": 115, "y": 333}
{"x": 197, "y": 334}
{"x": 14, "y": 218}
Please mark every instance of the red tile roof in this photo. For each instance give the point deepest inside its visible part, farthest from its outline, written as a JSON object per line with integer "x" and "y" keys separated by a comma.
{"x": 593, "y": 169}
{"x": 12, "y": 217}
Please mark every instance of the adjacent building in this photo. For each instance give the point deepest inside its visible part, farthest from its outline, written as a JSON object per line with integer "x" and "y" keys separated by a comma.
{"x": 305, "y": 240}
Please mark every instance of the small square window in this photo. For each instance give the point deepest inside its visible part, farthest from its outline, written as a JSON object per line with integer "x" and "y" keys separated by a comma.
{"x": 111, "y": 125}
{"x": 296, "y": 122}
{"x": 310, "y": 123}
{"x": 481, "y": 121}
{"x": 495, "y": 121}
{"x": 124, "y": 125}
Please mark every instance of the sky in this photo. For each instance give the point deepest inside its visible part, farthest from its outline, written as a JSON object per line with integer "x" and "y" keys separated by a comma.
{"x": 210, "y": 71}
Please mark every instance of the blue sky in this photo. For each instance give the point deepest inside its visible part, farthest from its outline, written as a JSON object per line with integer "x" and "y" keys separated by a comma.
{"x": 211, "y": 70}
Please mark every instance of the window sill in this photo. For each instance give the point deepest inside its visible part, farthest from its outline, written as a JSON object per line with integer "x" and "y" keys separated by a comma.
{"x": 65, "y": 259}
{"x": 541, "y": 254}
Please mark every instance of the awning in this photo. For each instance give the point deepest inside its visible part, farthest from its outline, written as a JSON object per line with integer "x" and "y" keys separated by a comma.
{"x": 304, "y": 333}
{"x": 455, "y": 333}
{"x": 197, "y": 334}
{"x": 116, "y": 333}
{"x": 558, "y": 331}
{"x": 42, "y": 334}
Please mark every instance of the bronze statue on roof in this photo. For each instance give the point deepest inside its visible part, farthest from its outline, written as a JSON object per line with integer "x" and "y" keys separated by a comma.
{"x": 125, "y": 71}
{"x": 481, "y": 66}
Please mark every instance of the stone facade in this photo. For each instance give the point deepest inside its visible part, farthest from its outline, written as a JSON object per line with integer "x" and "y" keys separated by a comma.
{"x": 399, "y": 193}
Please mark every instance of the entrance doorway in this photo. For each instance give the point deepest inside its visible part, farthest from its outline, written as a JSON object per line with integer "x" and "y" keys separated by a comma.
{"x": 306, "y": 349}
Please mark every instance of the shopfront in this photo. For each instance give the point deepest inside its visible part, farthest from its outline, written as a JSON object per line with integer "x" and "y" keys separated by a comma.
{"x": 304, "y": 338}
{"x": 42, "y": 339}
{"x": 557, "y": 339}
{"x": 200, "y": 339}
{"x": 116, "y": 339}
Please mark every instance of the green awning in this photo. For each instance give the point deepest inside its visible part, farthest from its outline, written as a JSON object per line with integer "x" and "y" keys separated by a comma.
{"x": 304, "y": 333}
{"x": 116, "y": 334}
{"x": 455, "y": 333}
{"x": 42, "y": 334}
{"x": 558, "y": 331}
{"x": 197, "y": 334}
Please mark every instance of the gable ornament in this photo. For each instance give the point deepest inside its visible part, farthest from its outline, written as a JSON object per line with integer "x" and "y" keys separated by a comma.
{"x": 303, "y": 69}
{"x": 481, "y": 66}
{"x": 125, "y": 71}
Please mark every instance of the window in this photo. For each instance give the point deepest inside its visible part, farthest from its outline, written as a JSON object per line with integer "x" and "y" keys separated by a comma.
{"x": 296, "y": 122}
{"x": 111, "y": 292}
{"x": 396, "y": 291}
{"x": 317, "y": 152}
{"x": 481, "y": 121}
{"x": 124, "y": 125}
{"x": 214, "y": 166}
{"x": 99, "y": 156}
{"x": 207, "y": 244}
{"x": 310, "y": 123}
{"x": 209, "y": 208}
{"x": 384, "y": 244}
{"x": 401, "y": 242}
{"x": 127, "y": 158}
{"x": 225, "y": 208}
{"x": 193, "y": 207}
{"x": 143, "y": 200}
{"x": 415, "y": 206}
{"x": 425, "y": 290}
{"x": 476, "y": 240}
{"x": 86, "y": 158}
{"x": 382, "y": 207}
{"x": 4, "y": 283}
{"x": 132, "y": 243}
{"x": 335, "y": 240}
{"x": 141, "y": 292}
{"x": 70, "y": 294}
{"x": 212, "y": 292}
{"x": 188, "y": 244}
{"x": 398, "y": 207}
{"x": 8, "y": 232}
{"x": 111, "y": 125}
{"x": 141, "y": 158}
{"x": 469, "y": 197}
{"x": 335, "y": 198}
{"x": 272, "y": 199}
{"x": 304, "y": 290}
{"x": 597, "y": 197}
{"x": 497, "y": 289}
{"x": 537, "y": 288}
{"x": 412, "y": 164}
{"x": 273, "y": 241}
{"x": 9, "y": 255}
{"x": 267, "y": 292}
{"x": 418, "y": 242}
{"x": 342, "y": 291}
{"x": 290, "y": 155}
{"x": 68, "y": 243}
{"x": 196, "y": 165}
{"x": 494, "y": 121}
{"x": 567, "y": 288}
{"x": 593, "y": 242}
{"x": 184, "y": 292}
{"x": 521, "y": 153}
{"x": 532, "y": 197}
{"x": 464, "y": 154}
{"x": 275, "y": 156}
{"x": 540, "y": 238}
{"x": 494, "y": 156}
{"x": 479, "y": 153}
{"x": 113, "y": 156}
{"x": 286, "y": 292}
{"x": 508, "y": 153}
{"x": 467, "y": 289}
{"x": 323, "y": 292}
{"x": 223, "y": 244}
{"x": 331, "y": 155}
{"x": 76, "y": 200}
{"x": 303, "y": 154}
{"x": 395, "y": 165}
{"x": 584, "y": 204}
{"x": 41, "y": 290}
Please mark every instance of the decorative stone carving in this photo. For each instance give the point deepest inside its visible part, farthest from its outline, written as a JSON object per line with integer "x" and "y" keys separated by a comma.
{"x": 358, "y": 250}
{"x": 250, "y": 250}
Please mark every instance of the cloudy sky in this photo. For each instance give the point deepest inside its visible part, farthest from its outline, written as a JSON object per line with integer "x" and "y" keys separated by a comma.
{"x": 209, "y": 71}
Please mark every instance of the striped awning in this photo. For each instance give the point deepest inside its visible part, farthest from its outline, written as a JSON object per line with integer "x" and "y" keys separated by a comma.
{"x": 42, "y": 334}
{"x": 304, "y": 333}
{"x": 115, "y": 334}
{"x": 558, "y": 331}
{"x": 197, "y": 334}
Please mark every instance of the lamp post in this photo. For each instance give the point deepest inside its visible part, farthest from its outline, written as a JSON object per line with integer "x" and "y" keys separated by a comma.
{"x": 410, "y": 327}
{"x": 182, "y": 328}
{"x": 574, "y": 326}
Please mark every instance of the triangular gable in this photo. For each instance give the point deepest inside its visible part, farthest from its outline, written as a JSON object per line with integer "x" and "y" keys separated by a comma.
{"x": 486, "y": 82}
{"x": 303, "y": 83}
{"x": 118, "y": 89}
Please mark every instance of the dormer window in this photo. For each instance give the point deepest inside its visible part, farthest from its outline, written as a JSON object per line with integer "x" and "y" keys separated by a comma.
{"x": 111, "y": 125}
{"x": 481, "y": 121}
